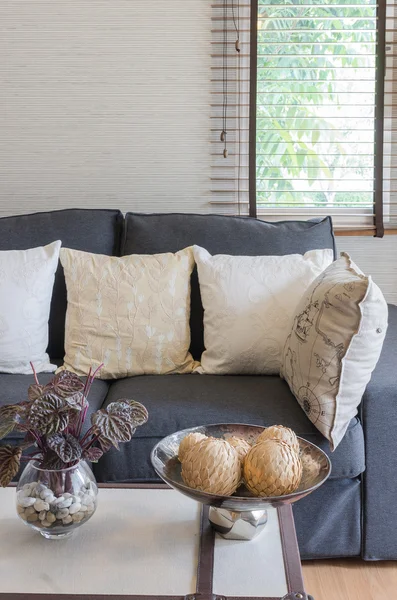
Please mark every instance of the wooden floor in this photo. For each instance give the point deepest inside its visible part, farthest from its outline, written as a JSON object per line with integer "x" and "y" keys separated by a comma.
{"x": 350, "y": 580}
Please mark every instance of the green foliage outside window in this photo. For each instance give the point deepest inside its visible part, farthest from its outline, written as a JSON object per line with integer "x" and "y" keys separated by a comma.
{"x": 315, "y": 103}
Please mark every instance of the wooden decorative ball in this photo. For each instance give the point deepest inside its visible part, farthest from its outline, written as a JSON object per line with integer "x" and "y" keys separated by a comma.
{"x": 241, "y": 446}
{"x": 272, "y": 468}
{"x": 280, "y": 432}
{"x": 188, "y": 442}
{"x": 212, "y": 465}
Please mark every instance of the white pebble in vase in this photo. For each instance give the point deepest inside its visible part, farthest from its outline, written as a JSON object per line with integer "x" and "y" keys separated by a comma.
{"x": 26, "y": 502}
{"x": 61, "y": 514}
{"x": 47, "y": 496}
{"x": 59, "y": 500}
{"x": 78, "y": 517}
{"x": 40, "y": 505}
{"x": 67, "y": 520}
{"x": 75, "y": 508}
{"x": 46, "y": 523}
{"x": 65, "y": 504}
{"x": 33, "y": 518}
{"x": 51, "y": 518}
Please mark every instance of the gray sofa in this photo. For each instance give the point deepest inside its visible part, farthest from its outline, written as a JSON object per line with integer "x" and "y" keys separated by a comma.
{"x": 354, "y": 513}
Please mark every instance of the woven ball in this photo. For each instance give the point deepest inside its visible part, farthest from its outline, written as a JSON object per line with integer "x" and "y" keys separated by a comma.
{"x": 311, "y": 469}
{"x": 188, "y": 442}
{"x": 241, "y": 446}
{"x": 280, "y": 432}
{"x": 212, "y": 466}
{"x": 272, "y": 468}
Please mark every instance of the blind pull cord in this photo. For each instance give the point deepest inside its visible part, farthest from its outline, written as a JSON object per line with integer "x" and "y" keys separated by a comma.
{"x": 223, "y": 136}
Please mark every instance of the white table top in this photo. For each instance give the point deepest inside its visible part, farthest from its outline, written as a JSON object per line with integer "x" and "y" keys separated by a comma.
{"x": 139, "y": 542}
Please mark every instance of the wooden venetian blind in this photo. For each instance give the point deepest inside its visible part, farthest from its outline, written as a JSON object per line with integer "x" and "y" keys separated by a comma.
{"x": 390, "y": 118}
{"x": 230, "y": 106}
{"x": 308, "y": 140}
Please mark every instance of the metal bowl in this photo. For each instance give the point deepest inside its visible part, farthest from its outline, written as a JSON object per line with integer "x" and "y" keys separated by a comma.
{"x": 223, "y": 510}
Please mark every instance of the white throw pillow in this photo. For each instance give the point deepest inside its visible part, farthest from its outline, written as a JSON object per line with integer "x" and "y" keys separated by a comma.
{"x": 249, "y": 302}
{"x": 334, "y": 345}
{"x": 26, "y": 283}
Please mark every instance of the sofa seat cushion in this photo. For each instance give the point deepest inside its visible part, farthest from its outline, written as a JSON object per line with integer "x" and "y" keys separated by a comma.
{"x": 13, "y": 389}
{"x": 177, "y": 402}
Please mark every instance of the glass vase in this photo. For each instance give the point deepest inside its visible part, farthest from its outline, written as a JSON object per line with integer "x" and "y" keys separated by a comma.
{"x": 56, "y": 502}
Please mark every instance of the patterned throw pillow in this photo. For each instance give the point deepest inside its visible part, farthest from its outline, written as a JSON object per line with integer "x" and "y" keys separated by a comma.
{"x": 131, "y": 313}
{"x": 26, "y": 283}
{"x": 334, "y": 345}
{"x": 249, "y": 302}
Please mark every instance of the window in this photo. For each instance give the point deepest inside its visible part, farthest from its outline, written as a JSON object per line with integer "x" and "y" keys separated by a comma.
{"x": 315, "y": 107}
{"x": 312, "y": 122}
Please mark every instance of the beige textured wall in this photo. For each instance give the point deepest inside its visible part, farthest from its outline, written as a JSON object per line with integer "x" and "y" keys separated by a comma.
{"x": 96, "y": 112}
{"x": 376, "y": 257}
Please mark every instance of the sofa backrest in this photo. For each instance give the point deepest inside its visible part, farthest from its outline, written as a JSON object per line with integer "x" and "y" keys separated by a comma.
{"x": 97, "y": 231}
{"x": 106, "y": 232}
{"x": 156, "y": 233}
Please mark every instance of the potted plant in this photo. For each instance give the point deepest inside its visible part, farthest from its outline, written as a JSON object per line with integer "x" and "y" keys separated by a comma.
{"x": 57, "y": 491}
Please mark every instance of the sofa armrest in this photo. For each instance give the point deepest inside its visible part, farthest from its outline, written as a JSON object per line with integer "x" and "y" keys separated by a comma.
{"x": 379, "y": 419}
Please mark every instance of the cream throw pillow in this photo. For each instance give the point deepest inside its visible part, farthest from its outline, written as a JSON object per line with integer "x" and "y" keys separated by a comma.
{"x": 26, "y": 283}
{"x": 334, "y": 345}
{"x": 249, "y": 302}
{"x": 131, "y": 313}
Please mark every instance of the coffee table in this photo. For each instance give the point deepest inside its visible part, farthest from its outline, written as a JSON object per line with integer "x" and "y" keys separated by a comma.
{"x": 148, "y": 542}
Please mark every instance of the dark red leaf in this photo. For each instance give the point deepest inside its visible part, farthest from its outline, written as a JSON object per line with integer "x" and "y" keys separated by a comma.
{"x": 48, "y": 414}
{"x": 35, "y": 391}
{"x": 10, "y": 457}
{"x": 93, "y": 454}
{"x": 66, "y": 384}
{"x": 66, "y": 446}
